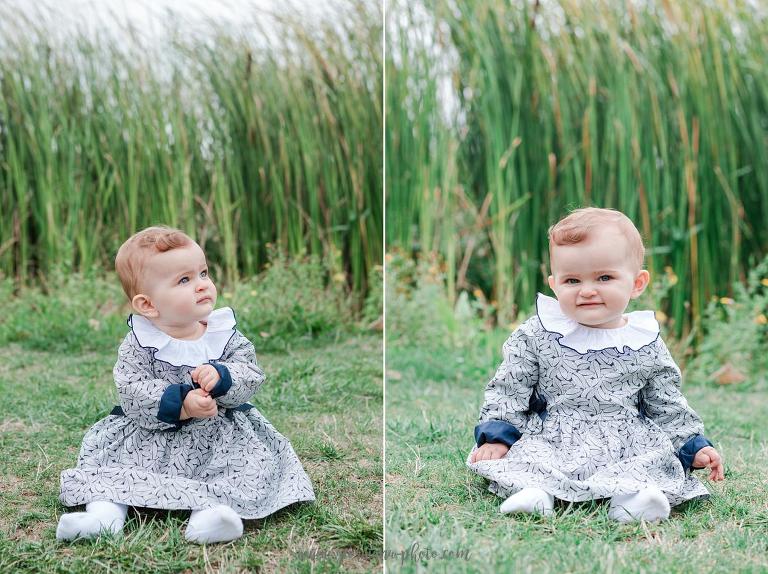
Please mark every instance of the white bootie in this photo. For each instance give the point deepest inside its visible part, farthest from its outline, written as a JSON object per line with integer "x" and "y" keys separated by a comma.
{"x": 99, "y": 515}
{"x": 217, "y": 524}
{"x": 529, "y": 499}
{"x": 650, "y": 504}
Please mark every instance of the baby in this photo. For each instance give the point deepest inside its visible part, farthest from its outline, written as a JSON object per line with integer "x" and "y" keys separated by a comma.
{"x": 586, "y": 403}
{"x": 184, "y": 436}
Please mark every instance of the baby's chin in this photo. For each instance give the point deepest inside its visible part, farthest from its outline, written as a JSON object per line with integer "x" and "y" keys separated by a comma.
{"x": 590, "y": 316}
{"x": 599, "y": 322}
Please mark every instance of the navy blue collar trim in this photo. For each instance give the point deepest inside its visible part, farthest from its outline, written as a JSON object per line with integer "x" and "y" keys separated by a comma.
{"x": 154, "y": 350}
{"x": 622, "y": 352}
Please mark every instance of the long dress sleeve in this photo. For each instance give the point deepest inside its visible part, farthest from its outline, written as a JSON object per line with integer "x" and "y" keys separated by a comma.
{"x": 508, "y": 394}
{"x": 153, "y": 403}
{"x": 241, "y": 375}
{"x": 662, "y": 401}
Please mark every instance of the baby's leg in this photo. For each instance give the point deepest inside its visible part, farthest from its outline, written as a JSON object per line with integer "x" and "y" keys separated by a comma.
{"x": 650, "y": 504}
{"x": 99, "y": 515}
{"x": 529, "y": 500}
{"x": 217, "y": 524}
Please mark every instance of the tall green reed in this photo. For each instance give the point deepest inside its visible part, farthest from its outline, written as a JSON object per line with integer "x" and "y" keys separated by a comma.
{"x": 659, "y": 110}
{"x": 244, "y": 139}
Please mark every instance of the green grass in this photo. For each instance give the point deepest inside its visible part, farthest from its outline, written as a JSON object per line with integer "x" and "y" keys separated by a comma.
{"x": 437, "y": 368}
{"x": 323, "y": 392}
{"x": 268, "y": 134}
{"x": 657, "y": 109}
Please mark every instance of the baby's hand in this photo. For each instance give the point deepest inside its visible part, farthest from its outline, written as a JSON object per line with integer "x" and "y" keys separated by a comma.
{"x": 709, "y": 457}
{"x": 199, "y": 404}
{"x": 489, "y": 451}
{"x": 206, "y": 376}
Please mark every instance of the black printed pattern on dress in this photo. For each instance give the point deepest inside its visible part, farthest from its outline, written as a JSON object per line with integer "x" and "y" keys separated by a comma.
{"x": 239, "y": 460}
{"x": 593, "y": 441}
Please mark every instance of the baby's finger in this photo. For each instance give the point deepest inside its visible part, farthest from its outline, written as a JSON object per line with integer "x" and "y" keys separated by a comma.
{"x": 720, "y": 471}
{"x": 477, "y": 456}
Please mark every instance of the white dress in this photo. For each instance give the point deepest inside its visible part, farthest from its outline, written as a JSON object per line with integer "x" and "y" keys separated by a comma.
{"x": 142, "y": 455}
{"x": 589, "y": 413}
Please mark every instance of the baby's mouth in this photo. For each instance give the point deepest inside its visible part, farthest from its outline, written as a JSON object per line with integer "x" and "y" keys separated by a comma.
{"x": 589, "y": 304}
{"x": 205, "y": 300}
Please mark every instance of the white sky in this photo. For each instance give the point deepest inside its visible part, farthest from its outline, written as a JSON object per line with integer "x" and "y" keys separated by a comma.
{"x": 151, "y": 17}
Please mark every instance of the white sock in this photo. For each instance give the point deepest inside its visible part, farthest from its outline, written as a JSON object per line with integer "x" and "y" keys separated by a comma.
{"x": 529, "y": 499}
{"x": 99, "y": 515}
{"x": 650, "y": 504}
{"x": 217, "y": 524}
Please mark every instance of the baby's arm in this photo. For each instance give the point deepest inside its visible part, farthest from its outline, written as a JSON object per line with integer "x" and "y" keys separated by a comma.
{"x": 241, "y": 375}
{"x": 507, "y": 397}
{"x": 663, "y": 403}
{"x": 152, "y": 403}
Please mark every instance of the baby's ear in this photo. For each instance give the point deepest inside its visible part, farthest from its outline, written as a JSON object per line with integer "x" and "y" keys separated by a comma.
{"x": 142, "y": 304}
{"x": 641, "y": 282}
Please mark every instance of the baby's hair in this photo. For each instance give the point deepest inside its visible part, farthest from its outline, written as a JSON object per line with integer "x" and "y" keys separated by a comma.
{"x": 577, "y": 226}
{"x": 134, "y": 253}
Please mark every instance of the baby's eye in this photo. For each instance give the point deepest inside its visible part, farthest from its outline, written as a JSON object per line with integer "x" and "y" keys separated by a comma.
{"x": 609, "y": 277}
{"x": 204, "y": 273}
{"x": 183, "y": 280}
{"x": 568, "y": 281}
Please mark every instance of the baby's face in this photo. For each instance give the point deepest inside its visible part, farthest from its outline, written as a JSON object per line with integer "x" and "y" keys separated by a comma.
{"x": 595, "y": 279}
{"x": 178, "y": 286}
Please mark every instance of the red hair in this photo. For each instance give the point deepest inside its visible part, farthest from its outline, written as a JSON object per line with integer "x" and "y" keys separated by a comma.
{"x": 578, "y": 225}
{"x": 134, "y": 253}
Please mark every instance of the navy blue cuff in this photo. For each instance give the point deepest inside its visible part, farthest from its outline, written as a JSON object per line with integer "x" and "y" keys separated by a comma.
{"x": 225, "y": 381}
{"x": 688, "y": 451}
{"x": 496, "y": 431}
{"x": 170, "y": 403}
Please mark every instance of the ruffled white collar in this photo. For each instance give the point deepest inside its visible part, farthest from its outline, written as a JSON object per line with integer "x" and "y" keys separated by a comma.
{"x": 180, "y": 352}
{"x": 641, "y": 329}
